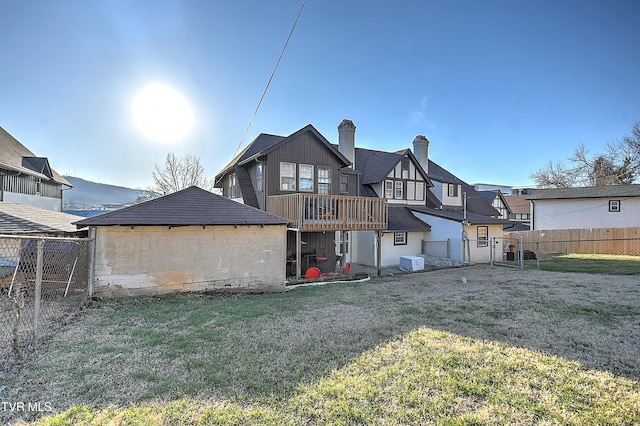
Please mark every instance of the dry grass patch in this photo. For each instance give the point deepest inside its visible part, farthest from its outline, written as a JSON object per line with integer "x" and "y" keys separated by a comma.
{"x": 264, "y": 355}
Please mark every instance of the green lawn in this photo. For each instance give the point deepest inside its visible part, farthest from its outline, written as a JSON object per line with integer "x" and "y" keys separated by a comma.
{"x": 590, "y": 263}
{"x": 502, "y": 346}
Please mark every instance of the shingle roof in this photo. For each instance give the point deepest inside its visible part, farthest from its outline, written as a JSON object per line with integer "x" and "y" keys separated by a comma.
{"x": 519, "y": 204}
{"x": 401, "y": 219}
{"x": 17, "y": 218}
{"x": 587, "y": 192}
{"x": 376, "y": 165}
{"x": 191, "y": 206}
{"x": 12, "y": 153}
{"x": 458, "y": 215}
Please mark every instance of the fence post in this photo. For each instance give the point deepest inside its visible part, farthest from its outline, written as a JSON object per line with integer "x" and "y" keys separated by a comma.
{"x": 92, "y": 262}
{"x": 448, "y": 248}
{"x": 38, "y": 291}
{"x": 538, "y": 254}
{"x": 521, "y": 252}
{"x": 491, "y": 252}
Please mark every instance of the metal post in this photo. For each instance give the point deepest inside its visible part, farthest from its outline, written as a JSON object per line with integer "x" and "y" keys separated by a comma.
{"x": 491, "y": 253}
{"x": 538, "y": 254}
{"x": 92, "y": 262}
{"x": 521, "y": 252}
{"x": 343, "y": 259}
{"x": 38, "y": 291}
{"x": 379, "y": 252}
{"x": 298, "y": 253}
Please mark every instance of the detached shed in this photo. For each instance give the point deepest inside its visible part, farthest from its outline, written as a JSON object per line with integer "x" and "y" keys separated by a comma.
{"x": 191, "y": 240}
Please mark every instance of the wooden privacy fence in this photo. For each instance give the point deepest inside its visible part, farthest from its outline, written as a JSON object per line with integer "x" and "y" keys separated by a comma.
{"x": 617, "y": 241}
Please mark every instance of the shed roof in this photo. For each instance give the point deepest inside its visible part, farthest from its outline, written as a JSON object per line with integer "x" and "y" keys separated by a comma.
{"x": 17, "y": 218}
{"x": 191, "y": 206}
{"x": 459, "y": 216}
{"x": 586, "y": 192}
{"x": 401, "y": 219}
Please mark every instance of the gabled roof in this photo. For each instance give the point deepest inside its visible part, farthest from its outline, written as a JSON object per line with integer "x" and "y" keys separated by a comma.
{"x": 265, "y": 143}
{"x": 440, "y": 174}
{"x": 459, "y": 216}
{"x": 375, "y": 165}
{"x": 587, "y": 192}
{"x": 191, "y": 206}
{"x": 490, "y": 196}
{"x": 16, "y": 157}
{"x": 400, "y": 219}
{"x": 519, "y": 204}
{"x": 18, "y": 218}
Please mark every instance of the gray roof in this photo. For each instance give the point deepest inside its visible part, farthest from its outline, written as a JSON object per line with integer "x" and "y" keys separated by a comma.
{"x": 458, "y": 216}
{"x": 376, "y": 165}
{"x": 191, "y": 206}
{"x": 17, "y": 218}
{"x": 586, "y": 192}
{"x": 401, "y": 219}
{"x": 15, "y": 156}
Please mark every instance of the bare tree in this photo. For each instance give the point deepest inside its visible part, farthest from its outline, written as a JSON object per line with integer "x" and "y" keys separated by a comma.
{"x": 180, "y": 173}
{"x": 620, "y": 164}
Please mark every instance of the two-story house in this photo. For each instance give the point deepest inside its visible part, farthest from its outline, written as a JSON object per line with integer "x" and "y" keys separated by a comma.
{"x": 26, "y": 178}
{"x": 304, "y": 178}
{"x": 431, "y": 211}
{"x": 383, "y": 204}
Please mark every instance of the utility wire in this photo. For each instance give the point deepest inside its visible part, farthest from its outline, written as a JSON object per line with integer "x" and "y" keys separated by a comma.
{"x": 270, "y": 78}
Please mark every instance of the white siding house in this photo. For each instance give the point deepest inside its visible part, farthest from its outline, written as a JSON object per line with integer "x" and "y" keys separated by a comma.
{"x": 615, "y": 206}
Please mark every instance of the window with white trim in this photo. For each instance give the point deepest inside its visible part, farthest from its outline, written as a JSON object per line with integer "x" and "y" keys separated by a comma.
{"x": 483, "y": 236}
{"x": 388, "y": 189}
{"x": 614, "y": 205}
{"x": 452, "y": 190}
{"x": 398, "y": 193}
{"x": 259, "y": 177}
{"x": 287, "y": 176}
{"x": 399, "y": 238}
{"x": 233, "y": 191}
{"x": 324, "y": 180}
{"x": 306, "y": 177}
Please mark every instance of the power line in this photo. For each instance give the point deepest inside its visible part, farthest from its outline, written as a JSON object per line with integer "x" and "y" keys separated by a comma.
{"x": 270, "y": 78}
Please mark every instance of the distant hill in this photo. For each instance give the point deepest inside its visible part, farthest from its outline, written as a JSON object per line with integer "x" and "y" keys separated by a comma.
{"x": 91, "y": 195}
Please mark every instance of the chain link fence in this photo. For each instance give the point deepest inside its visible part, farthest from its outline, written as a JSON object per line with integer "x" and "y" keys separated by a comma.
{"x": 615, "y": 256}
{"x": 43, "y": 282}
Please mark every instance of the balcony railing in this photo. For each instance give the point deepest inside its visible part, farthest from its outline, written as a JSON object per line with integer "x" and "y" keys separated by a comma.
{"x": 313, "y": 212}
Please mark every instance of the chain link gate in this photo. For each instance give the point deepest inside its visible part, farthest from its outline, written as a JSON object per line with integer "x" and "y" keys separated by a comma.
{"x": 43, "y": 282}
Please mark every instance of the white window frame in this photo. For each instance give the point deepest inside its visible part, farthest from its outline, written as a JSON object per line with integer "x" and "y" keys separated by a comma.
{"x": 452, "y": 190}
{"x": 259, "y": 177}
{"x": 306, "y": 177}
{"x": 287, "y": 176}
{"x": 324, "y": 180}
{"x": 483, "y": 240}
{"x": 400, "y": 238}
{"x": 398, "y": 190}
{"x": 614, "y": 206}
{"x": 388, "y": 189}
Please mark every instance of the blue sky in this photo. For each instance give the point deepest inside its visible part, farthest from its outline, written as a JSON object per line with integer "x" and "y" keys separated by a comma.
{"x": 498, "y": 87}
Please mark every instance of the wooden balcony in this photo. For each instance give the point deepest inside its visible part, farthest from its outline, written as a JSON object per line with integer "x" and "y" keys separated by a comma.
{"x": 313, "y": 212}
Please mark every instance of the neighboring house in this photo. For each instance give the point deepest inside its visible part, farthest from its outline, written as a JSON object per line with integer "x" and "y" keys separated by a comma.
{"x": 191, "y": 240}
{"x": 27, "y": 179}
{"x": 276, "y": 172}
{"x": 614, "y": 206}
{"x": 497, "y": 199}
{"x": 306, "y": 179}
{"x": 520, "y": 215}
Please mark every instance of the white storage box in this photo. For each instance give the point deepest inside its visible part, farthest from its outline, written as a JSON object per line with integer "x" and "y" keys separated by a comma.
{"x": 411, "y": 263}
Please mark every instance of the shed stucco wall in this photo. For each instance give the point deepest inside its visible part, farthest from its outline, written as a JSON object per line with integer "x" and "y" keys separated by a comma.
{"x": 159, "y": 259}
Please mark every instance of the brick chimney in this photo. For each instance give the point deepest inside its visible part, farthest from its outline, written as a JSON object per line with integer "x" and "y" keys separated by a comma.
{"x": 347, "y": 140}
{"x": 421, "y": 151}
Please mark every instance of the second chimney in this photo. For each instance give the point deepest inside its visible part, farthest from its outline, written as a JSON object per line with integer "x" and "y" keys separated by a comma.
{"x": 421, "y": 151}
{"x": 347, "y": 140}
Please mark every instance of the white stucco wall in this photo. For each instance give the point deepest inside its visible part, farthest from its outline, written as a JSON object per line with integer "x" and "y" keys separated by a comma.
{"x": 585, "y": 213}
{"x": 156, "y": 259}
{"x": 47, "y": 203}
{"x": 391, "y": 253}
